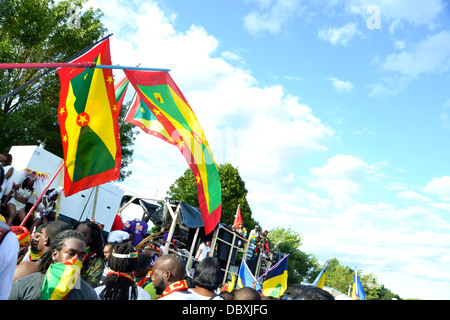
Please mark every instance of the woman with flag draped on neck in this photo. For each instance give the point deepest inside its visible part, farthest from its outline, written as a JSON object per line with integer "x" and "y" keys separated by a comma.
{"x": 93, "y": 263}
{"x": 119, "y": 283}
{"x": 58, "y": 277}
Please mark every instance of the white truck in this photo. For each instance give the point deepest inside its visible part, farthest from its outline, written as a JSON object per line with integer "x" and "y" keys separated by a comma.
{"x": 100, "y": 204}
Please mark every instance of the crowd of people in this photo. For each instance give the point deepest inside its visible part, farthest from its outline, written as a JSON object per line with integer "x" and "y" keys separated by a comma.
{"x": 62, "y": 261}
{"x": 51, "y": 259}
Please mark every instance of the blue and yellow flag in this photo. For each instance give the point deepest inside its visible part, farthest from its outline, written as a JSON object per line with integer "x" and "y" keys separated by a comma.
{"x": 358, "y": 290}
{"x": 275, "y": 282}
{"x": 320, "y": 280}
{"x": 246, "y": 278}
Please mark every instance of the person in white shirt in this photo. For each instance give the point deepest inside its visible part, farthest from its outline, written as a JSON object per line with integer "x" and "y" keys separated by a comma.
{"x": 254, "y": 233}
{"x": 206, "y": 279}
{"x": 9, "y": 248}
{"x": 203, "y": 250}
{"x": 118, "y": 236}
{"x": 5, "y": 161}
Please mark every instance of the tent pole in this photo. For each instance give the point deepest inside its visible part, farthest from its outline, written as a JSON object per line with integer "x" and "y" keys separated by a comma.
{"x": 95, "y": 203}
{"x": 229, "y": 257}
{"x": 172, "y": 227}
{"x": 191, "y": 252}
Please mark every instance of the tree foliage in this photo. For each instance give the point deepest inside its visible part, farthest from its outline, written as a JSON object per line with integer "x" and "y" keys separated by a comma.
{"x": 341, "y": 277}
{"x": 37, "y": 31}
{"x": 301, "y": 265}
{"x": 233, "y": 193}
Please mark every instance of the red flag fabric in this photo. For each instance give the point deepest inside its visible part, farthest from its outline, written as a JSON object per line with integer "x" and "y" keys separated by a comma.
{"x": 163, "y": 98}
{"x": 238, "y": 217}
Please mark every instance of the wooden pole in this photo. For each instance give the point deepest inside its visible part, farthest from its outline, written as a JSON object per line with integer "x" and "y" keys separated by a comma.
{"x": 172, "y": 227}
{"x": 95, "y": 203}
{"x": 59, "y": 196}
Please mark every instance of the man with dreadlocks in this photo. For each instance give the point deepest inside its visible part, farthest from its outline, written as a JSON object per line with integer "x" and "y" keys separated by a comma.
{"x": 119, "y": 283}
{"x": 59, "y": 273}
{"x": 94, "y": 263}
{"x": 49, "y": 233}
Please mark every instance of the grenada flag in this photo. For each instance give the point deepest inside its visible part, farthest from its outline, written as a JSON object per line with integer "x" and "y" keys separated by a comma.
{"x": 120, "y": 90}
{"x": 141, "y": 116}
{"x": 88, "y": 121}
{"x": 60, "y": 278}
{"x": 166, "y": 102}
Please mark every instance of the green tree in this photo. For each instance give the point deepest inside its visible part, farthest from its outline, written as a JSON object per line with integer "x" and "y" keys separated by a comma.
{"x": 301, "y": 266}
{"x": 233, "y": 193}
{"x": 341, "y": 277}
{"x": 386, "y": 294}
{"x": 338, "y": 276}
{"x": 33, "y": 31}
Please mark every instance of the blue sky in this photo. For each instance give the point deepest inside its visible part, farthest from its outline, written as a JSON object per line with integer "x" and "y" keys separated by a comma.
{"x": 337, "y": 114}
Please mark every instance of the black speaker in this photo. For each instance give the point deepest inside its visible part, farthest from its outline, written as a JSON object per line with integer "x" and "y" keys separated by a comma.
{"x": 223, "y": 249}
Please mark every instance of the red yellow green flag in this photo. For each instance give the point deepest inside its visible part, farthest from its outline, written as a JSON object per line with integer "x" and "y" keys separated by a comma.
{"x": 141, "y": 116}
{"x": 60, "y": 278}
{"x": 120, "y": 90}
{"x": 167, "y": 104}
{"x": 88, "y": 121}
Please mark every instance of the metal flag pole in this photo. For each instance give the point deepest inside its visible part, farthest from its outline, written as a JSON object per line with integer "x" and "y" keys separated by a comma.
{"x": 101, "y": 66}
{"x": 45, "y": 65}
{"x": 276, "y": 265}
{"x": 74, "y": 65}
{"x": 48, "y": 71}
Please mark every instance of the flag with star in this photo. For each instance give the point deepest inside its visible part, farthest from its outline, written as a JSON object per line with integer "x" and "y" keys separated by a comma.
{"x": 141, "y": 116}
{"x": 88, "y": 121}
{"x": 163, "y": 98}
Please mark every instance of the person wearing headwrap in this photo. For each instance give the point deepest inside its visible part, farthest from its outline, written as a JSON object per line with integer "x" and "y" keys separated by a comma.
{"x": 119, "y": 283}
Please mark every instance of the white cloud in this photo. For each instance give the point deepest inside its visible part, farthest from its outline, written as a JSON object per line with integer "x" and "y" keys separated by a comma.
{"x": 341, "y": 177}
{"x": 430, "y": 55}
{"x": 272, "y": 16}
{"x": 389, "y": 85}
{"x": 439, "y": 187}
{"x": 340, "y": 85}
{"x": 248, "y": 124}
{"x": 231, "y": 56}
{"x": 340, "y": 36}
{"x": 414, "y": 196}
{"x": 342, "y": 167}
